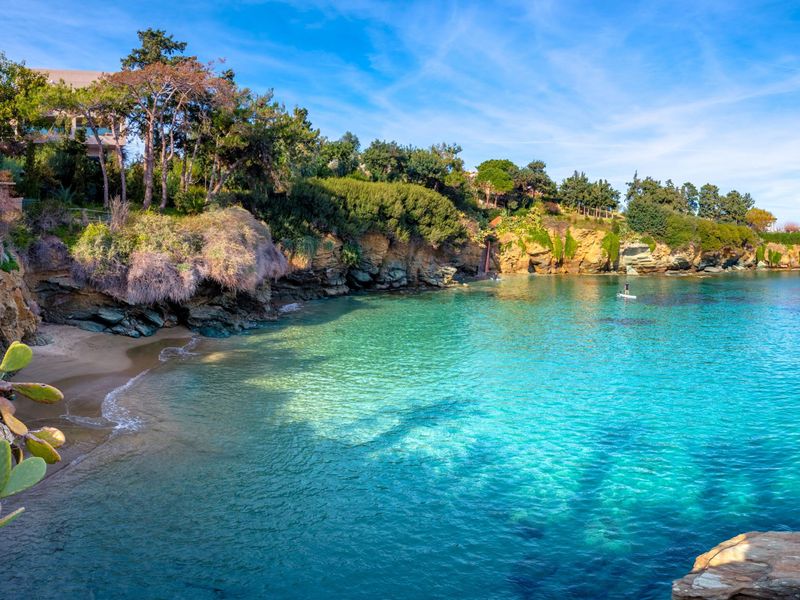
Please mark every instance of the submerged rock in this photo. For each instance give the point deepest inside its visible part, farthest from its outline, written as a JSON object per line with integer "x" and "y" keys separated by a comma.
{"x": 751, "y": 565}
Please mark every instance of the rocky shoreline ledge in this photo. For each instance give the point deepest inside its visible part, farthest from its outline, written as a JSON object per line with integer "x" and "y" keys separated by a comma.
{"x": 749, "y": 566}
{"x": 48, "y": 287}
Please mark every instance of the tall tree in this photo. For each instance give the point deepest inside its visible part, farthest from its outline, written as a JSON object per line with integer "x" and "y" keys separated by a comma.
{"x": 534, "y": 182}
{"x": 385, "y": 161}
{"x": 603, "y": 195}
{"x": 733, "y": 207}
{"x": 493, "y": 181}
{"x": 708, "y": 202}
{"x": 100, "y": 106}
{"x": 161, "y": 94}
{"x": 20, "y": 104}
{"x": 156, "y": 47}
{"x": 575, "y": 190}
{"x": 759, "y": 219}
{"x": 690, "y": 197}
{"x": 341, "y": 157}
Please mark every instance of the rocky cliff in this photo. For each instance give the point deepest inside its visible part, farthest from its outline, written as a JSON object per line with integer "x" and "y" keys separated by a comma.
{"x": 751, "y": 565}
{"x": 383, "y": 264}
{"x": 48, "y": 289}
{"x": 18, "y": 311}
{"x": 513, "y": 255}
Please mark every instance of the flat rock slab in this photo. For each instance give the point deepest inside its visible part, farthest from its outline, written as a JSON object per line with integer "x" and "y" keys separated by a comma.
{"x": 750, "y": 566}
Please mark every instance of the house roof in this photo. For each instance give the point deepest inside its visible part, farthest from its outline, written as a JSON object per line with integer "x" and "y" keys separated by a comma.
{"x": 73, "y": 77}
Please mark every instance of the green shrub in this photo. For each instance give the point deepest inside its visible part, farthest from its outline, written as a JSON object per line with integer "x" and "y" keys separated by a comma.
{"x": 651, "y": 243}
{"x": 158, "y": 257}
{"x": 647, "y": 217}
{"x": 351, "y": 208}
{"x": 539, "y": 236}
{"x": 774, "y": 258}
{"x": 527, "y": 227}
{"x": 192, "y": 201}
{"x": 570, "y": 246}
{"x": 761, "y": 253}
{"x": 351, "y": 254}
{"x": 558, "y": 248}
{"x": 681, "y": 230}
{"x": 610, "y": 245}
{"x": 782, "y": 237}
{"x": 21, "y": 236}
{"x": 8, "y": 262}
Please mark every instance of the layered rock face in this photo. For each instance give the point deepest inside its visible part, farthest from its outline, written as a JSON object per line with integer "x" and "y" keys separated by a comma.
{"x": 214, "y": 311}
{"x": 513, "y": 256}
{"x": 18, "y": 311}
{"x": 383, "y": 264}
{"x": 749, "y": 566}
{"x": 211, "y": 311}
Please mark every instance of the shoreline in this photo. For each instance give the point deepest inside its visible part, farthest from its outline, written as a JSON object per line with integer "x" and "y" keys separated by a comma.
{"x": 87, "y": 367}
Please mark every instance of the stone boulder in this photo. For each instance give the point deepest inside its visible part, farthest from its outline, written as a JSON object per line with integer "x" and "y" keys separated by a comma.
{"x": 589, "y": 256}
{"x": 18, "y": 311}
{"x": 749, "y": 566}
{"x": 640, "y": 258}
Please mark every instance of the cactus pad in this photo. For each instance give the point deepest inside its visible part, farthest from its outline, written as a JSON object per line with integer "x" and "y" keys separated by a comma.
{"x": 5, "y": 463}
{"x": 16, "y": 426}
{"x": 17, "y": 357}
{"x": 38, "y": 392}
{"x": 42, "y": 449}
{"x": 27, "y": 473}
{"x": 10, "y": 517}
{"x": 51, "y": 435}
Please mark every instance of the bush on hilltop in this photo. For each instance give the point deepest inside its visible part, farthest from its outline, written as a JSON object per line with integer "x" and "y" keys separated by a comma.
{"x": 350, "y": 208}
{"x": 158, "y": 257}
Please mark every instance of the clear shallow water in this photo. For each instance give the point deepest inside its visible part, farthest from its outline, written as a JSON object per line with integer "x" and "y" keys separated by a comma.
{"x": 531, "y": 438}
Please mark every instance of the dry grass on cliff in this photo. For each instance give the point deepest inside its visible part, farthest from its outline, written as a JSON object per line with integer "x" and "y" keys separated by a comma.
{"x": 156, "y": 257}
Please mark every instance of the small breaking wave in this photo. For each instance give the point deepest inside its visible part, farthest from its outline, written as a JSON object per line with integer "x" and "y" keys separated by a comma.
{"x": 290, "y": 308}
{"x": 112, "y": 413}
{"x": 178, "y": 351}
{"x": 120, "y": 416}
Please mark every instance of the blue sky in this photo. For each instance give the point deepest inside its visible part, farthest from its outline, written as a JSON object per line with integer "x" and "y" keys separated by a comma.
{"x": 692, "y": 91}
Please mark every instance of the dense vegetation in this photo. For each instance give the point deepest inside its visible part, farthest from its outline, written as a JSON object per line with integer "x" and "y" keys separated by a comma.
{"x": 679, "y": 230}
{"x": 209, "y": 143}
{"x": 788, "y": 238}
{"x": 154, "y": 257}
{"x": 350, "y": 208}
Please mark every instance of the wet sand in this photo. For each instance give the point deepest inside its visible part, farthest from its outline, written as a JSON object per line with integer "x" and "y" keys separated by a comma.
{"x": 87, "y": 366}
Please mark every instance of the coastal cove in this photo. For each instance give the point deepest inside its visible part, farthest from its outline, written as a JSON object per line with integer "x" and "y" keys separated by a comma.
{"x": 522, "y": 438}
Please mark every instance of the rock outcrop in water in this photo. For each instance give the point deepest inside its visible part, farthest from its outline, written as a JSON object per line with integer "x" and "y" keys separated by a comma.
{"x": 749, "y": 566}
{"x": 214, "y": 311}
{"x": 383, "y": 264}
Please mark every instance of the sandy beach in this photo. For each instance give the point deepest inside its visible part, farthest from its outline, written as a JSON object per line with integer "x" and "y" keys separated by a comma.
{"x": 86, "y": 367}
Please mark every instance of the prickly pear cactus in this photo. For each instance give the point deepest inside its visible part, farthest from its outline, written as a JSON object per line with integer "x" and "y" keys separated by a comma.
{"x": 24, "y": 454}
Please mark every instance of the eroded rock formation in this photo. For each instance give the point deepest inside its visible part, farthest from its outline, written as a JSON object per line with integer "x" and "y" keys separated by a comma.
{"x": 749, "y": 566}
{"x": 18, "y": 311}
{"x": 516, "y": 256}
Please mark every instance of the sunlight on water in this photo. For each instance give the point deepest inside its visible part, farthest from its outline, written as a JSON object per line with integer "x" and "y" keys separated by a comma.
{"x": 528, "y": 438}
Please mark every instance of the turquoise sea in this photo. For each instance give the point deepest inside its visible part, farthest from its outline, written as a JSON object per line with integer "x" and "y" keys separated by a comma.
{"x": 534, "y": 437}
